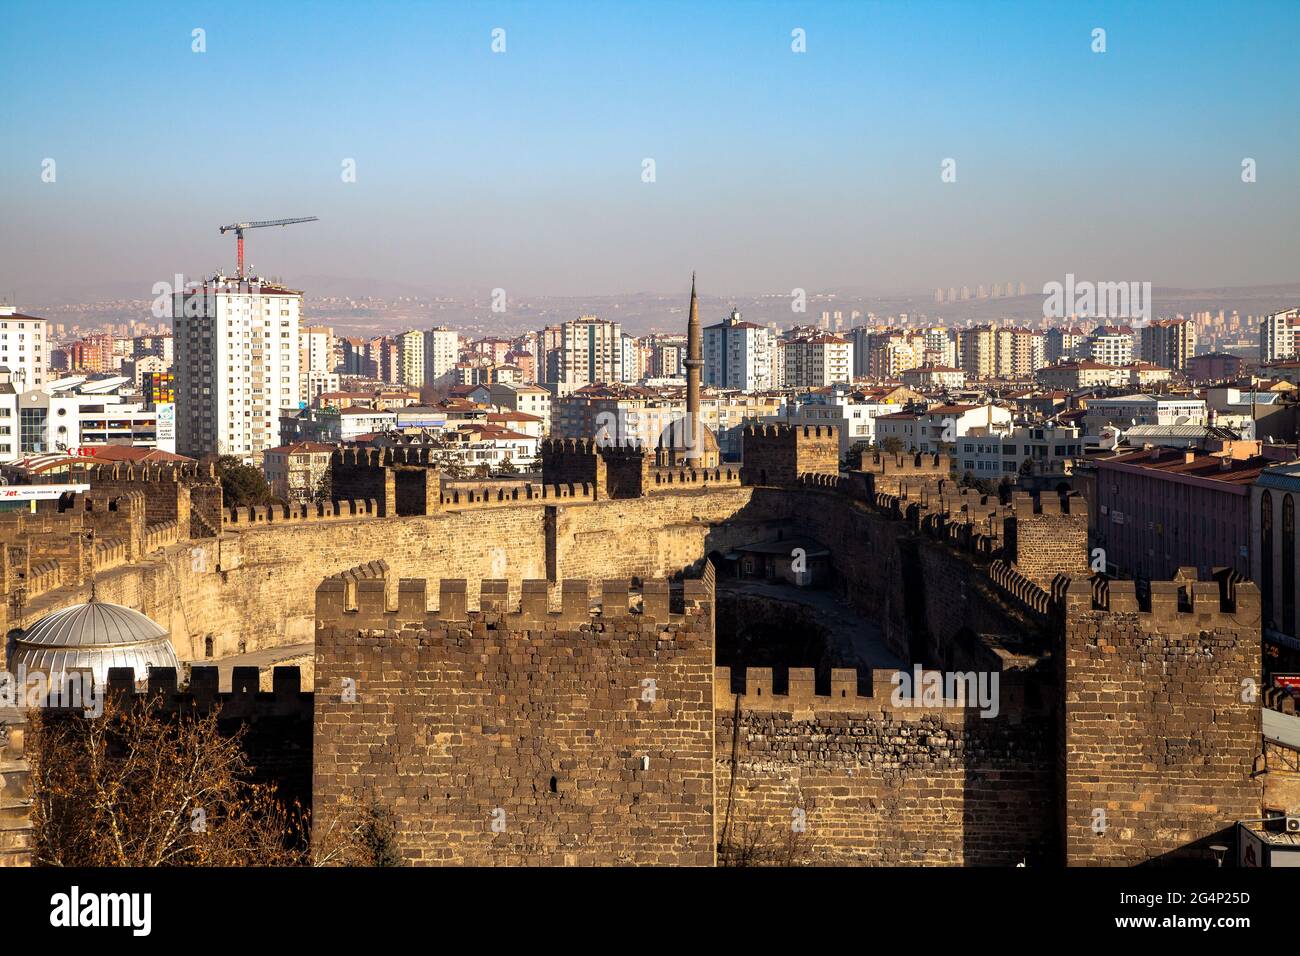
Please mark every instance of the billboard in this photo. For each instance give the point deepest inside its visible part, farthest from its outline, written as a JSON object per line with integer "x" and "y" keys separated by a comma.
{"x": 166, "y": 433}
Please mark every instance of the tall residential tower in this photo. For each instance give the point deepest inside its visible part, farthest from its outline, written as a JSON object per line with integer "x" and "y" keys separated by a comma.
{"x": 236, "y": 368}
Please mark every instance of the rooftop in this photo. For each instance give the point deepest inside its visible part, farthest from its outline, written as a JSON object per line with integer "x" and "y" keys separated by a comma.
{"x": 1192, "y": 464}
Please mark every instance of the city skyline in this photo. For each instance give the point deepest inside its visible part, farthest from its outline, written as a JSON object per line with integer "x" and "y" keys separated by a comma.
{"x": 525, "y": 169}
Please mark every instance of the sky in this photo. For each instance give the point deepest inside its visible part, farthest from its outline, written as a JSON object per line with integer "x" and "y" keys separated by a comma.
{"x": 526, "y": 169}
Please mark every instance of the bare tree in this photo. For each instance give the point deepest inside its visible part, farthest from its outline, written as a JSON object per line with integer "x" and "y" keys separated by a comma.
{"x": 139, "y": 786}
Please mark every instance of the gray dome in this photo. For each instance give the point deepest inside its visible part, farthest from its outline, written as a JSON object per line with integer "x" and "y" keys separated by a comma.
{"x": 95, "y": 636}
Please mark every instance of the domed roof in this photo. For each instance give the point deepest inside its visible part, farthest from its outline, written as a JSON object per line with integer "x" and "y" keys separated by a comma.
{"x": 95, "y": 636}
{"x": 699, "y": 443}
{"x": 680, "y": 446}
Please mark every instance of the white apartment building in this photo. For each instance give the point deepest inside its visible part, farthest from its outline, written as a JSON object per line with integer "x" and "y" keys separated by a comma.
{"x": 1049, "y": 450}
{"x": 1127, "y": 410}
{"x": 316, "y": 349}
{"x": 137, "y": 368}
{"x": 1111, "y": 345}
{"x": 441, "y": 352}
{"x": 316, "y": 383}
{"x": 236, "y": 365}
{"x": 738, "y": 354}
{"x": 315, "y": 363}
{"x": 817, "y": 361}
{"x": 354, "y": 422}
{"x": 934, "y": 376}
{"x": 1277, "y": 335}
{"x": 529, "y": 399}
{"x": 939, "y": 428}
{"x": 634, "y": 359}
{"x": 940, "y": 347}
{"x": 23, "y": 347}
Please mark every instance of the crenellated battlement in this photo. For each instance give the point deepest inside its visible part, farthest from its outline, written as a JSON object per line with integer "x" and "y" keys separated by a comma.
{"x": 1023, "y": 504}
{"x": 421, "y": 456}
{"x": 668, "y": 478}
{"x": 243, "y": 517}
{"x": 918, "y": 463}
{"x": 150, "y": 472}
{"x": 570, "y": 446}
{"x": 790, "y": 433}
{"x": 359, "y": 598}
{"x": 779, "y": 454}
{"x": 489, "y": 494}
{"x": 886, "y": 691}
{"x": 203, "y": 696}
{"x": 1225, "y": 600}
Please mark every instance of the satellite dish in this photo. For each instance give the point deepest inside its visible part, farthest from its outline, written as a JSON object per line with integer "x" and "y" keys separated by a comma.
{"x": 1182, "y": 420}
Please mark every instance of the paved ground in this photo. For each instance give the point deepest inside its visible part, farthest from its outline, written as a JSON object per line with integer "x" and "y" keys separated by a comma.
{"x": 262, "y": 660}
{"x": 853, "y": 636}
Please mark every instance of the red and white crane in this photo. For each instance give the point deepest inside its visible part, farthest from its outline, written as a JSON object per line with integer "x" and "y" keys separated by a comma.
{"x": 239, "y": 227}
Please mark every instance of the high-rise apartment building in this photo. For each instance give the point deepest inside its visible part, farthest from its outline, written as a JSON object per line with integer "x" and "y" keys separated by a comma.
{"x": 1168, "y": 343}
{"x": 940, "y": 349}
{"x": 589, "y": 350}
{"x": 315, "y": 359}
{"x": 1065, "y": 344}
{"x": 738, "y": 354}
{"x": 635, "y": 359}
{"x": 236, "y": 343}
{"x": 1277, "y": 335}
{"x": 441, "y": 352}
{"x": 385, "y": 358}
{"x": 817, "y": 360}
{"x": 22, "y": 348}
{"x": 1111, "y": 345}
{"x": 411, "y": 361}
{"x": 1020, "y": 352}
{"x": 890, "y": 353}
{"x": 977, "y": 351}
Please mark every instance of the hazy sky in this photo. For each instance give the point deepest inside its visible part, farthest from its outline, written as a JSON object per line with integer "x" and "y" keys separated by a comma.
{"x": 774, "y": 169}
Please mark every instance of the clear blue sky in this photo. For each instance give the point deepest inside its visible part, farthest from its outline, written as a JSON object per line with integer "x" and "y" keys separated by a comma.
{"x": 774, "y": 169}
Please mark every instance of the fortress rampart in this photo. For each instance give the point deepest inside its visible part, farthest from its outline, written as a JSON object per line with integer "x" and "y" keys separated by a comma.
{"x": 478, "y": 726}
{"x": 1111, "y": 697}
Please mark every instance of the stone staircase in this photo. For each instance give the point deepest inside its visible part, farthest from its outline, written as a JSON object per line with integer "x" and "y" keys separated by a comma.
{"x": 15, "y": 792}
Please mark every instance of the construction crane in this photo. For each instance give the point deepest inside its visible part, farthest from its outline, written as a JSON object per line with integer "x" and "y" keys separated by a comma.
{"x": 239, "y": 228}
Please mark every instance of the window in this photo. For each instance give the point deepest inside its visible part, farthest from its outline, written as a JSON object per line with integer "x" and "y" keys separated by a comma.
{"x": 32, "y": 426}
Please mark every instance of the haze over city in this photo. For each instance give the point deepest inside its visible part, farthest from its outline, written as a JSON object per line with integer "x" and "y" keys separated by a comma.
{"x": 523, "y": 169}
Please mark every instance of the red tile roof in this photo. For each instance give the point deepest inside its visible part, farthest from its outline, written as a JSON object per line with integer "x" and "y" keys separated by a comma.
{"x": 134, "y": 453}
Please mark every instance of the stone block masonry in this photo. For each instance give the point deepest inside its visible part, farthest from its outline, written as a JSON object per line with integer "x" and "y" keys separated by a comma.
{"x": 1158, "y": 732}
{"x": 1048, "y": 537}
{"x": 518, "y": 735}
{"x": 872, "y": 783}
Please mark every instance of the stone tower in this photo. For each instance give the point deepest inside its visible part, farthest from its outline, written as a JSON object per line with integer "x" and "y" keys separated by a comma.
{"x": 694, "y": 360}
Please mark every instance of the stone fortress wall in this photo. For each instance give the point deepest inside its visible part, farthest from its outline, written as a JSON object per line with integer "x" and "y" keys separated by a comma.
{"x": 1107, "y": 705}
{"x": 537, "y": 732}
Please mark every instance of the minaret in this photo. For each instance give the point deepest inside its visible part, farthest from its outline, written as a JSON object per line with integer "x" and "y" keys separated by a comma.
{"x": 694, "y": 362}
